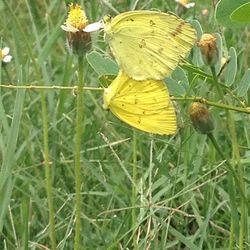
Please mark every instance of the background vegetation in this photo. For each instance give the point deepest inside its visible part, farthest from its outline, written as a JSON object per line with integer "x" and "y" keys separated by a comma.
{"x": 139, "y": 191}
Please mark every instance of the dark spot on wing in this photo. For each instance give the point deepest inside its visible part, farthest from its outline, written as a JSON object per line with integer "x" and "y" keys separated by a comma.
{"x": 139, "y": 120}
{"x": 142, "y": 43}
{"x": 160, "y": 50}
{"x": 151, "y": 22}
{"x": 178, "y": 29}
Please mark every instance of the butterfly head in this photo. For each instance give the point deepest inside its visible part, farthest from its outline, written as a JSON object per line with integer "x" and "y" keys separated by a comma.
{"x": 107, "y": 19}
{"x": 107, "y": 24}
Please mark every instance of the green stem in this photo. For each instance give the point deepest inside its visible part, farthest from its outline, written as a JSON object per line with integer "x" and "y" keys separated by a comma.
{"x": 7, "y": 73}
{"x": 78, "y": 136}
{"x": 47, "y": 87}
{"x": 241, "y": 173}
{"x": 210, "y": 103}
{"x": 235, "y": 162}
{"x": 134, "y": 187}
{"x": 217, "y": 85}
{"x": 175, "y": 98}
{"x": 217, "y": 147}
{"x": 48, "y": 171}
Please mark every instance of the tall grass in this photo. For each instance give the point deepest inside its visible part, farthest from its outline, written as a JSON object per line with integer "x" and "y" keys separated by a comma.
{"x": 141, "y": 191}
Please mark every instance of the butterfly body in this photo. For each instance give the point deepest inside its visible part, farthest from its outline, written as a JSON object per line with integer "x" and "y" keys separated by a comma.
{"x": 145, "y": 105}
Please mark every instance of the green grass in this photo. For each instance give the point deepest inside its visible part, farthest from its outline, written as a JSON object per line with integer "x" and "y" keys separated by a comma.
{"x": 138, "y": 191}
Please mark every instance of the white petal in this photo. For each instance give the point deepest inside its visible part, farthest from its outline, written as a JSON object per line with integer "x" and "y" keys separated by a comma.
{"x": 93, "y": 27}
{"x": 7, "y": 59}
{"x": 5, "y": 51}
{"x": 190, "y": 5}
{"x": 69, "y": 28}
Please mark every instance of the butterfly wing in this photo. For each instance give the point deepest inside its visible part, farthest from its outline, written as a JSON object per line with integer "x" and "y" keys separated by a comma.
{"x": 148, "y": 44}
{"x": 145, "y": 105}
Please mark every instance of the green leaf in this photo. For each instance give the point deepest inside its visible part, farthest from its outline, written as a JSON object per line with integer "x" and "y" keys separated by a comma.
{"x": 244, "y": 84}
{"x": 231, "y": 68}
{"x": 225, "y": 8}
{"x": 187, "y": 241}
{"x": 241, "y": 14}
{"x": 175, "y": 87}
{"x": 219, "y": 46}
{"x": 8, "y": 159}
{"x": 180, "y": 75}
{"x": 47, "y": 48}
{"x": 105, "y": 80}
{"x": 196, "y": 70}
{"x": 102, "y": 65}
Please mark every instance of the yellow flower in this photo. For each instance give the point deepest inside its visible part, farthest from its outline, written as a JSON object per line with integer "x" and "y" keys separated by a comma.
{"x": 208, "y": 48}
{"x": 4, "y": 55}
{"x": 201, "y": 118}
{"x": 76, "y": 20}
{"x": 78, "y": 40}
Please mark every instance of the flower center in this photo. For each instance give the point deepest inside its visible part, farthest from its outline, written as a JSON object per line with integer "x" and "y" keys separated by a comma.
{"x": 76, "y": 17}
{"x": 184, "y": 2}
{"x": 1, "y": 54}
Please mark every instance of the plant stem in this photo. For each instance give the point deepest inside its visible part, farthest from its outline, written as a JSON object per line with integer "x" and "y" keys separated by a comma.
{"x": 78, "y": 136}
{"x": 241, "y": 173}
{"x": 47, "y": 87}
{"x": 175, "y": 98}
{"x": 134, "y": 188}
{"x": 235, "y": 162}
{"x": 49, "y": 186}
{"x": 210, "y": 103}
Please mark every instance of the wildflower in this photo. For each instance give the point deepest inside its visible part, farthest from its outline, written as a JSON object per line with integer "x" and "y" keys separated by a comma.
{"x": 201, "y": 118}
{"x": 183, "y": 6}
{"x": 78, "y": 40}
{"x": 209, "y": 49}
{"x": 205, "y": 12}
{"x": 4, "y": 55}
{"x": 185, "y": 3}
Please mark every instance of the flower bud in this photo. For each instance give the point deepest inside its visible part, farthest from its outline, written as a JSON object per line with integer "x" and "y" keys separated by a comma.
{"x": 78, "y": 40}
{"x": 209, "y": 49}
{"x": 201, "y": 118}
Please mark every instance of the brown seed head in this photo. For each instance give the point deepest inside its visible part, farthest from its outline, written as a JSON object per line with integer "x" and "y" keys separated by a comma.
{"x": 208, "y": 47}
{"x": 201, "y": 118}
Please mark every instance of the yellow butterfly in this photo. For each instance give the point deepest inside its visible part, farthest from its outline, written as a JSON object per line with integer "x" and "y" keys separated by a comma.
{"x": 147, "y": 44}
{"x": 145, "y": 105}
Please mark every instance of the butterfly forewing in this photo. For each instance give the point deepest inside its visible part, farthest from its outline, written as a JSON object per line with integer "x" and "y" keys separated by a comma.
{"x": 149, "y": 44}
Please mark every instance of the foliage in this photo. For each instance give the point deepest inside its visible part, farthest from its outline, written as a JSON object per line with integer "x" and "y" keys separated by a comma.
{"x": 139, "y": 191}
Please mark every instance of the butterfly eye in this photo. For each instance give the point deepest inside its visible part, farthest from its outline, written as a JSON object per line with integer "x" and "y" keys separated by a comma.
{"x": 106, "y": 19}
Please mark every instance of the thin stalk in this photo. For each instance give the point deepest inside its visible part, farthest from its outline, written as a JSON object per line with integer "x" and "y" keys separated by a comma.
{"x": 210, "y": 103}
{"x": 218, "y": 149}
{"x": 134, "y": 188}
{"x": 174, "y": 98}
{"x": 53, "y": 87}
{"x": 49, "y": 185}
{"x": 218, "y": 88}
{"x": 241, "y": 173}
{"x": 78, "y": 136}
{"x": 7, "y": 73}
{"x": 236, "y": 161}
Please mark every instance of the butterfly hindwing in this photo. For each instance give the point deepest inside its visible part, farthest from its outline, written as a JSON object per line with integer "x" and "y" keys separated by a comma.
{"x": 145, "y": 105}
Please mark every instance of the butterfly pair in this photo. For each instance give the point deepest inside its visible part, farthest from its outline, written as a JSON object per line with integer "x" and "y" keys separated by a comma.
{"x": 147, "y": 46}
